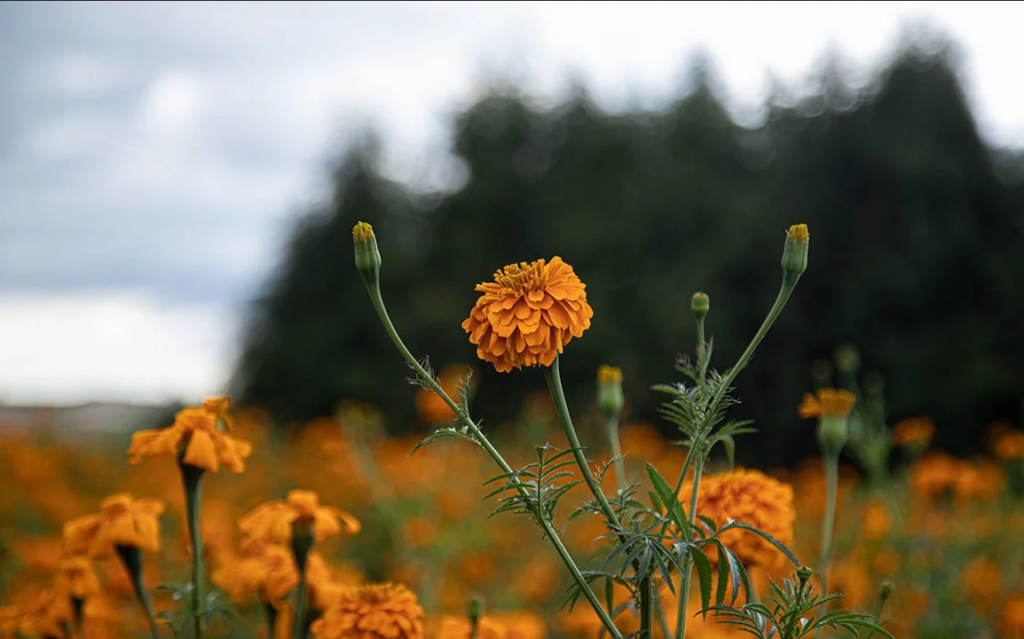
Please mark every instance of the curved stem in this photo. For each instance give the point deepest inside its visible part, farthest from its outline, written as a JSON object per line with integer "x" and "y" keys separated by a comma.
{"x": 832, "y": 481}
{"x": 131, "y": 557}
{"x": 481, "y": 439}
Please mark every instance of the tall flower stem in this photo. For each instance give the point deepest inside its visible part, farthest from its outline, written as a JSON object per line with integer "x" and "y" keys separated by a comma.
{"x": 554, "y": 381}
{"x": 611, "y": 425}
{"x": 549, "y": 531}
{"x": 270, "y": 615}
{"x": 302, "y": 542}
{"x": 192, "y": 477}
{"x": 131, "y": 557}
{"x": 831, "y": 485}
{"x": 299, "y": 628}
{"x": 684, "y": 577}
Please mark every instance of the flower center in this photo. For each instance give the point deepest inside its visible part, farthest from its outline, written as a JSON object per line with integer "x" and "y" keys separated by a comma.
{"x": 521, "y": 277}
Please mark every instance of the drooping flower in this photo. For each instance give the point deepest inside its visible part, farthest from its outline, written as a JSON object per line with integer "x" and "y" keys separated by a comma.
{"x": 829, "y": 402}
{"x": 122, "y": 521}
{"x": 373, "y": 611}
{"x": 754, "y": 498}
{"x": 195, "y": 438}
{"x": 266, "y": 571}
{"x": 528, "y": 314}
{"x": 915, "y": 431}
{"x": 274, "y": 521}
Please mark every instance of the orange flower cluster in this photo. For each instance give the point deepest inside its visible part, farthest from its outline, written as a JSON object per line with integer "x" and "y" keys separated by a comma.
{"x": 754, "y": 498}
{"x": 275, "y": 521}
{"x": 122, "y": 521}
{"x": 196, "y": 438}
{"x": 528, "y": 314}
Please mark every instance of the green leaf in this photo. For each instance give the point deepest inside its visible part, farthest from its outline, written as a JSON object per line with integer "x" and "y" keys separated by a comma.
{"x": 704, "y": 575}
{"x": 675, "y": 511}
{"x": 772, "y": 540}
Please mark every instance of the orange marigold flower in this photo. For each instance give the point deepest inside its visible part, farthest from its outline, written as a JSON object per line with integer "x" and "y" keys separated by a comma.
{"x": 1007, "y": 443}
{"x": 76, "y": 578}
{"x": 122, "y": 521}
{"x": 273, "y": 521}
{"x": 195, "y": 438}
{"x": 372, "y": 611}
{"x": 528, "y": 314}
{"x": 754, "y": 498}
{"x": 267, "y": 571}
{"x": 44, "y": 615}
{"x": 914, "y": 431}
{"x": 1011, "y": 617}
{"x": 829, "y": 402}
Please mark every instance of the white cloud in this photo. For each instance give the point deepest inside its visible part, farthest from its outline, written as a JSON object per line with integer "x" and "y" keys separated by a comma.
{"x": 116, "y": 346}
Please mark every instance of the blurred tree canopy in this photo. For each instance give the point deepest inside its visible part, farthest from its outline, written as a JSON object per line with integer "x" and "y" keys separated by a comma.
{"x": 917, "y": 254}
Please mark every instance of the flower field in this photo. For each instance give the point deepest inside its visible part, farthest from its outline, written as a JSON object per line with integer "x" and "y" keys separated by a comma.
{"x": 221, "y": 525}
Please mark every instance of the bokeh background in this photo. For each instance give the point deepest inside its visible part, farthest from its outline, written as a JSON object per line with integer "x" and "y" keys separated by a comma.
{"x": 178, "y": 183}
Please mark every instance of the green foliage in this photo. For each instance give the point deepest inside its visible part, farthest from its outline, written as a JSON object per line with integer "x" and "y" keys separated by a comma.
{"x": 921, "y": 222}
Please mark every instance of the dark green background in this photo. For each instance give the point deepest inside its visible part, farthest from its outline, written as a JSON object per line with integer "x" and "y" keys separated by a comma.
{"x": 916, "y": 257}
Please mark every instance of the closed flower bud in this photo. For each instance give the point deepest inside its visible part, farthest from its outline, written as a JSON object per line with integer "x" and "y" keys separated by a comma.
{"x": 610, "y": 399}
{"x": 833, "y": 433}
{"x": 367, "y": 255}
{"x": 700, "y": 304}
{"x": 886, "y": 590}
{"x": 847, "y": 359}
{"x": 794, "y": 255}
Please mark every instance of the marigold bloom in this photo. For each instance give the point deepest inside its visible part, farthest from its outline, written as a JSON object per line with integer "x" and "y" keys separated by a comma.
{"x": 916, "y": 431}
{"x": 373, "y": 611}
{"x": 1007, "y": 443}
{"x": 273, "y": 521}
{"x": 829, "y": 402}
{"x": 122, "y": 521}
{"x": 267, "y": 571}
{"x": 1011, "y": 617}
{"x": 43, "y": 615}
{"x": 528, "y": 314}
{"x": 194, "y": 437}
{"x": 754, "y": 498}
{"x": 76, "y": 578}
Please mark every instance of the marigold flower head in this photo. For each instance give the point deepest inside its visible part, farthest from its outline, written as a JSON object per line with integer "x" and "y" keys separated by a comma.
{"x": 267, "y": 571}
{"x": 372, "y": 611}
{"x": 274, "y": 521}
{"x": 195, "y": 439}
{"x": 76, "y": 578}
{"x": 829, "y": 402}
{"x": 752, "y": 497}
{"x": 528, "y": 314}
{"x": 916, "y": 431}
{"x": 122, "y": 521}
{"x": 44, "y": 614}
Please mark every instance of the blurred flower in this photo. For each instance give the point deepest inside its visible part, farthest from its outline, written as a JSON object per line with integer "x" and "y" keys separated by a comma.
{"x": 43, "y": 615}
{"x": 916, "y": 431}
{"x": 1006, "y": 442}
{"x": 528, "y": 314}
{"x": 982, "y": 581}
{"x": 373, "y": 611}
{"x": 877, "y": 521}
{"x": 274, "y": 521}
{"x": 76, "y": 578}
{"x": 429, "y": 405}
{"x": 122, "y": 521}
{"x": 195, "y": 439}
{"x": 829, "y": 402}
{"x": 1011, "y": 618}
{"x": 459, "y": 627}
{"x": 522, "y": 625}
{"x": 754, "y": 498}
{"x": 268, "y": 571}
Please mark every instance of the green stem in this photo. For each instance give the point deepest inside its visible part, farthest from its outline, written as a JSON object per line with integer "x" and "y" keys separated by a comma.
{"x": 270, "y": 614}
{"x": 481, "y": 439}
{"x": 684, "y": 578}
{"x": 647, "y": 608}
{"x": 702, "y": 355}
{"x": 192, "y": 477}
{"x": 831, "y": 483}
{"x": 612, "y": 426}
{"x": 131, "y": 557}
{"x": 301, "y": 596}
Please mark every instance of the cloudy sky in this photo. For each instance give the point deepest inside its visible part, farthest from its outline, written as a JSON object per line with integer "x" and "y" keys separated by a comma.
{"x": 152, "y": 154}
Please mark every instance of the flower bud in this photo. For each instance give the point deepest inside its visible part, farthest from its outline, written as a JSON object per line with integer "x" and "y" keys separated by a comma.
{"x": 367, "y": 255}
{"x": 700, "y": 304}
{"x": 804, "y": 573}
{"x": 833, "y": 431}
{"x": 847, "y": 359}
{"x": 610, "y": 399}
{"x": 886, "y": 590}
{"x": 794, "y": 254}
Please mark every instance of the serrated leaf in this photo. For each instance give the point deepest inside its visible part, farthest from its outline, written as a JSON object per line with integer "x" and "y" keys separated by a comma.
{"x": 666, "y": 493}
{"x": 772, "y": 540}
{"x": 703, "y": 567}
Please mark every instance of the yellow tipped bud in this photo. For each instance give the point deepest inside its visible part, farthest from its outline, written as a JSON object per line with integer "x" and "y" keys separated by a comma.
{"x": 794, "y": 255}
{"x": 366, "y": 252}
{"x": 610, "y": 399}
{"x": 700, "y": 304}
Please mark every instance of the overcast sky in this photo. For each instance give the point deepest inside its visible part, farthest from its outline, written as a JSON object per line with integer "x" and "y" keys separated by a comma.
{"x": 152, "y": 154}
